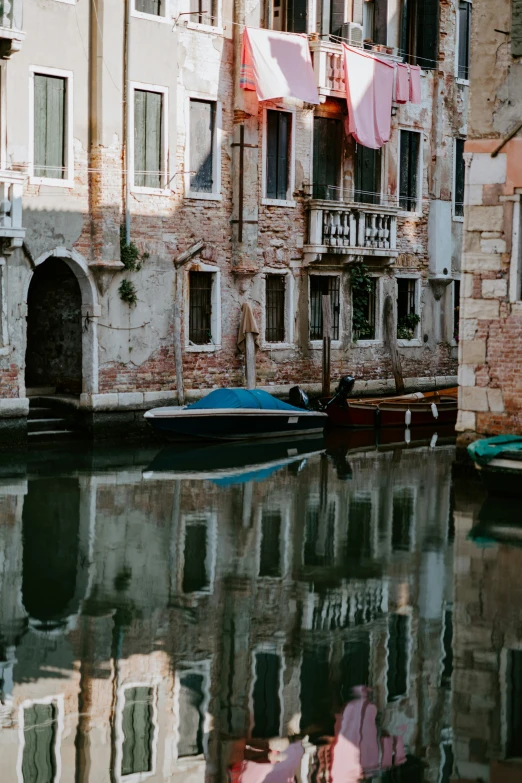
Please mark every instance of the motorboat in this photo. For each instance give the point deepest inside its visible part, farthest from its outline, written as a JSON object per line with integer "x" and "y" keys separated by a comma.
{"x": 409, "y": 410}
{"x": 235, "y": 414}
{"x": 499, "y": 462}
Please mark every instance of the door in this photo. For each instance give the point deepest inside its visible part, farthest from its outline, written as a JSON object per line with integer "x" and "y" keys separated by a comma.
{"x": 367, "y": 175}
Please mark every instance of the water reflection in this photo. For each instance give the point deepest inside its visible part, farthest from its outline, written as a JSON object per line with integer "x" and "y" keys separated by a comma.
{"x": 287, "y": 618}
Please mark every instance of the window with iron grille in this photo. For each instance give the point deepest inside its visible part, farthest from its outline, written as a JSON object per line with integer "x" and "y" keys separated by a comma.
{"x": 278, "y": 129}
{"x": 204, "y": 12}
{"x": 407, "y": 317}
{"x": 324, "y": 285}
{"x": 153, "y": 7}
{"x": 275, "y": 309}
{"x": 200, "y": 308}
{"x": 364, "y": 306}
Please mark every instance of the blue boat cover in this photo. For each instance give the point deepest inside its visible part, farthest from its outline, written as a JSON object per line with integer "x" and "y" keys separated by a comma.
{"x": 242, "y": 398}
{"x": 484, "y": 450}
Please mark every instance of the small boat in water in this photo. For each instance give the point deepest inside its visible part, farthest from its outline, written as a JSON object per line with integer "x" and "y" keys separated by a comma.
{"x": 235, "y": 414}
{"x": 409, "y": 410}
{"x": 499, "y": 462}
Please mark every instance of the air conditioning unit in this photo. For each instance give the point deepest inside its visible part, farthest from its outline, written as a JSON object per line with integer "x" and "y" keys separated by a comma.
{"x": 352, "y": 33}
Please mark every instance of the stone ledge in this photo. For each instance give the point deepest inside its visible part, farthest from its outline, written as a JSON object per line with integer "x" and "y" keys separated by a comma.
{"x": 12, "y": 408}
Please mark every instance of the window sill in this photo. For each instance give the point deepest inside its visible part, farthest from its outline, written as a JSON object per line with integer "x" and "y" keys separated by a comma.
{"x": 147, "y": 17}
{"x": 414, "y": 343}
{"x": 5, "y": 350}
{"x": 317, "y": 345}
{"x": 405, "y": 214}
{"x": 464, "y": 82}
{"x": 458, "y": 218}
{"x": 52, "y": 183}
{"x": 276, "y": 346}
{"x": 205, "y": 28}
{"x": 204, "y": 196}
{"x": 366, "y": 343}
{"x": 151, "y": 191}
{"x": 276, "y": 202}
{"x": 202, "y": 348}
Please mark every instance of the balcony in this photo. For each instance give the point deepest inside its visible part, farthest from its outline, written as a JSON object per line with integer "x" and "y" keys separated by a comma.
{"x": 11, "y": 231}
{"x": 11, "y": 34}
{"x": 327, "y": 58}
{"x": 341, "y": 228}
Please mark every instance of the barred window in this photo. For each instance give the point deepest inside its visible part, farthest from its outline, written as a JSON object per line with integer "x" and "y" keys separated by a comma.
{"x": 153, "y": 7}
{"x": 275, "y": 309}
{"x": 200, "y": 308}
{"x": 39, "y": 756}
{"x": 324, "y": 285}
{"x": 138, "y": 731}
{"x": 364, "y": 310}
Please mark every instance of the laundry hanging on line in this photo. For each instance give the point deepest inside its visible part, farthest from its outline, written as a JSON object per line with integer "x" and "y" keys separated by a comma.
{"x": 369, "y": 94}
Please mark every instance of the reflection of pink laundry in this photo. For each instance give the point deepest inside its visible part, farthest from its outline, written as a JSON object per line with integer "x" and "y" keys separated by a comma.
{"x": 277, "y": 65}
{"x": 387, "y": 752}
{"x": 283, "y": 771}
{"x": 356, "y": 748}
{"x": 402, "y": 84}
{"x": 369, "y": 92}
{"x": 400, "y": 753}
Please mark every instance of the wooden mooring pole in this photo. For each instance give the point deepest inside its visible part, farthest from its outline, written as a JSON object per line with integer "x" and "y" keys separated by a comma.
{"x": 390, "y": 336}
{"x": 327, "y": 338}
{"x": 250, "y": 361}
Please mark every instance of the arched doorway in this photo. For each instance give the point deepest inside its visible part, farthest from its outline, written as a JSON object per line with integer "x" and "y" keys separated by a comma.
{"x": 54, "y": 329}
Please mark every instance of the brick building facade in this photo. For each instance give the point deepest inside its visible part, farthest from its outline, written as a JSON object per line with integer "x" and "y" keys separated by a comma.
{"x": 132, "y": 116}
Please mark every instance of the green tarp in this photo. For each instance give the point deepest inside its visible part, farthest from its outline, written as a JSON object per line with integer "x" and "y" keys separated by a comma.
{"x": 483, "y": 451}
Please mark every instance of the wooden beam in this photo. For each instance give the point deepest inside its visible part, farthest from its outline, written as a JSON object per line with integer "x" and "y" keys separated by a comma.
{"x": 187, "y": 254}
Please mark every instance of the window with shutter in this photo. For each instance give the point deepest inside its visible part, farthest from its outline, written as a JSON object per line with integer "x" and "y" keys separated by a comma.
{"x": 275, "y": 308}
{"x": 153, "y": 7}
{"x": 49, "y": 126}
{"x": 289, "y": 16}
{"x": 278, "y": 129}
{"x": 202, "y": 122}
{"x": 367, "y": 175}
{"x": 408, "y": 170}
{"x": 148, "y": 139}
{"x": 138, "y": 731}
{"x": 458, "y": 187}
{"x": 464, "y": 27}
{"x": 324, "y": 285}
{"x": 419, "y": 42}
{"x": 327, "y": 158}
{"x": 380, "y": 22}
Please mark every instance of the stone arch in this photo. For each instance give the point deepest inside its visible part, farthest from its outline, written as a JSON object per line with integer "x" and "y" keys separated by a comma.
{"x": 90, "y": 310}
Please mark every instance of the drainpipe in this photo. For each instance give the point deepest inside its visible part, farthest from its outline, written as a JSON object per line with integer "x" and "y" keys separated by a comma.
{"x": 126, "y": 98}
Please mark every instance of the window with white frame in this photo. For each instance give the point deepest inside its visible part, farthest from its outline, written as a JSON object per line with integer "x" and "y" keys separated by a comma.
{"x": 151, "y": 7}
{"x": 324, "y": 285}
{"x": 464, "y": 39}
{"x": 271, "y": 549}
{"x": 197, "y": 556}
{"x": 275, "y": 296}
{"x": 409, "y": 180}
{"x": 402, "y": 519}
{"x": 40, "y": 744}
{"x": 204, "y": 12}
{"x": 149, "y": 139}
{"x": 458, "y": 178}
{"x": 278, "y": 156}
{"x": 52, "y": 154}
{"x": 407, "y": 315}
{"x": 314, "y": 695}
{"x": 137, "y": 726}
{"x": 359, "y": 537}
{"x": 203, "y": 315}
{"x": 364, "y": 309}
{"x": 398, "y": 646}
{"x": 202, "y": 124}
{"x": 266, "y": 694}
{"x": 320, "y": 533}
{"x": 191, "y": 700}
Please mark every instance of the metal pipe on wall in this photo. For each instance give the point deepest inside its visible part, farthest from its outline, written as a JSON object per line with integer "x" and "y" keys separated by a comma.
{"x": 126, "y": 124}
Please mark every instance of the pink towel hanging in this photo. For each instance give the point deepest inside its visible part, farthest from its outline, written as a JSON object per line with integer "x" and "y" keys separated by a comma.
{"x": 369, "y": 93}
{"x": 402, "y": 84}
{"x": 415, "y": 84}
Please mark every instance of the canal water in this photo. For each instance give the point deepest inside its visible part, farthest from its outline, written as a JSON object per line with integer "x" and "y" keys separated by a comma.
{"x": 312, "y": 611}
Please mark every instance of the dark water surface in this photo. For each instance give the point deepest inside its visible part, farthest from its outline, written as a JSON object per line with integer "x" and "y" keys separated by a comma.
{"x": 297, "y": 611}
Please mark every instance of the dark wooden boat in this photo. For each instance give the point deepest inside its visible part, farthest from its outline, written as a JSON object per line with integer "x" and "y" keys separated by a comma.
{"x": 235, "y": 414}
{"x": 410, "y": 410}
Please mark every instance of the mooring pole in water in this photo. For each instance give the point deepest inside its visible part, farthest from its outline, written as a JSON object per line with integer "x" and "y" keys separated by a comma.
{"x": 250, "y": 361}
{"x": 327, "y": 338}
{"x": 390, "y": 336}
{"x": 178, "y": 351}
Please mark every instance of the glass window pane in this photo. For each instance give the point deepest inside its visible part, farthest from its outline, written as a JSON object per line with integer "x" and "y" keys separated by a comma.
{"x": 267, "y": 707}
{"x": 39, "y": 756}
{"x": 191, "y": 715}
{"x": 138, "y": 731}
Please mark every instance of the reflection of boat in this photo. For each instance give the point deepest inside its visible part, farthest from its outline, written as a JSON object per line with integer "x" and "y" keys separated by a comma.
{"x": 418, "y": 409}
{"x": 499, "y": 461}
{"x": 232, "y": 462}
{"x": 499, "y": 522}
{"x": 235, "y": 414}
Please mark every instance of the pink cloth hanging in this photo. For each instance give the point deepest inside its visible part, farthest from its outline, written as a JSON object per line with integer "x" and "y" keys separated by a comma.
{"x": 402, "y": 84}
{"x": 277, "y": 65}
{"x": 415, "y": 84}
{"x": 283, "y": 771}
{"x": 369, "y": 93}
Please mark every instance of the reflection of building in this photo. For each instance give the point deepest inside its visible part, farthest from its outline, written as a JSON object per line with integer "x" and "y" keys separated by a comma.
{"x": 487, "y": 680}
{"x": 190, "y": 620}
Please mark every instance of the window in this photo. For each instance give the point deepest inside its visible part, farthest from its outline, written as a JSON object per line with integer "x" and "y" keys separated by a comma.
{"x": 514, "y": 704}
{"x": 200, "y": 308}
{"x": 204, "y": 12}
{"x": 364, "y": 310}
{"x": 402, "y": 518}
{"x": 458, "y": 186}
{"x": 367, "y": 175}
{"x": 39, "y": 762}
{"x": 375, "y": 21}
{"x": 368, "y": 20}
{"x": 397, "y": 678}
{"x": 148, "y": 139}
{"x": 50, "y": 127}
{"x": 407, "y": 317}
{"x": 267, "y": 705}
{"x": 154, "y": 7}
{"x": 419, "y": 41}
{"x": 138, "y": 731}
{"x": 191, "y": 714}
{"x": 202, "y": 123}
{"x": 456, "y": 309}
{"x": 447, "y": 641}
{"x": 464, "y": 29}
{"x": 324, "y": 285}
{"x": 409, "y": 170}
{"x": 278, "y": 130}
{"x": 319, "y": 548}
{"x": 4, "y": 332}
{"x": 327, "y": 158}
{"x": 195, "y": 557}
{"x": 270, "y": 557}
{"x": 359, "y": 529}
{"x": 355, "y": 665}
{"x": 275, "y": 308}
{"x": 289, "y": 16}
{"x": 315, "y": 689}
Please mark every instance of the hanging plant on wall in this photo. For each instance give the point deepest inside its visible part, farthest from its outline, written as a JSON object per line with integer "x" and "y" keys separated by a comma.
{"x": 132, "y": 260}
{"x": 361, "y": 288}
